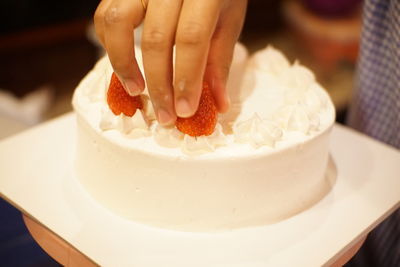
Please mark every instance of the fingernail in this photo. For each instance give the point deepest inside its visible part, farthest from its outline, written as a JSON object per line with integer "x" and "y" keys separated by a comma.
{"x": 164, "y": 117}
{"x": 132, "y": 87}
{"x": 183, "y": 108}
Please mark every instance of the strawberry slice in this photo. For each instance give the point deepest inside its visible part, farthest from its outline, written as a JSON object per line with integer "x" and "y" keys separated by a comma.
{"x": 204, "y": 120}
{"x": 120, "y": 101}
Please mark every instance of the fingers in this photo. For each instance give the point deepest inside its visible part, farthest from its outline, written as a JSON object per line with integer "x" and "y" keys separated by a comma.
{"x": 115, "y": 21}
{"x": 196, "y": 25}
{"x": 221, "y": 51}
{"x": 157, "y": 44}
{"x": 191, "y": 24}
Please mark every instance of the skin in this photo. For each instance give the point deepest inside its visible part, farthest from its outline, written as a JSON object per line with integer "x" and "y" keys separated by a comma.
{"x": 204, "y": 33}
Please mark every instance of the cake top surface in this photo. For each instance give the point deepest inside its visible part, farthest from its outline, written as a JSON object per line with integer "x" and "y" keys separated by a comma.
{"x": 274, "y": 105}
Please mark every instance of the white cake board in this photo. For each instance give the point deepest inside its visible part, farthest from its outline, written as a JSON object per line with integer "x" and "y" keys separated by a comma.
{"x": 36, "y": 175}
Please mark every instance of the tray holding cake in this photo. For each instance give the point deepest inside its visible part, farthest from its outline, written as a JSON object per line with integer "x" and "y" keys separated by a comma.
{"x": 269, "y": 184}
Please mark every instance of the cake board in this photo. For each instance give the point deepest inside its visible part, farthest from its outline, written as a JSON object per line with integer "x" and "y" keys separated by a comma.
{"x": 37, "y": 176}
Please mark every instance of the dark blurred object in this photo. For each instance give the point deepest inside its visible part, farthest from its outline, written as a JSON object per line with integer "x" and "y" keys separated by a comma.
{"x": 262, "y": 16}
{"x": 330, "y": 42}
{"x": 46, "y": 35}
{"x": 57, "y": 54}
{"x": 44, "y": 42}
{"x": 61, "y": 65}
{"x": 24, "y": 15}
{"x": 332, "y": 8}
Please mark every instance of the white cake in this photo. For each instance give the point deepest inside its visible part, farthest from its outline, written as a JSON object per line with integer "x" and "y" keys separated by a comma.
{"x": 265, "y": 161}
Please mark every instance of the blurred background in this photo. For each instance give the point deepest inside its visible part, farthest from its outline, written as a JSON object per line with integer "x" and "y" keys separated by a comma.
{"x": 46, "y": 48}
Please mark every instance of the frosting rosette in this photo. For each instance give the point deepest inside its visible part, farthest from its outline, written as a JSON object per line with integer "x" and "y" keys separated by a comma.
{"x": 257, "y": 132}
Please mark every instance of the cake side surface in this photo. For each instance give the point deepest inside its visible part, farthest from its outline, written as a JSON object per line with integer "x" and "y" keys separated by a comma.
{"x": 202, "y": 195}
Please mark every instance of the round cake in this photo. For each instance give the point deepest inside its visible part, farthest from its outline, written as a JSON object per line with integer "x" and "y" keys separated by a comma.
{"x": 265, "y": 161}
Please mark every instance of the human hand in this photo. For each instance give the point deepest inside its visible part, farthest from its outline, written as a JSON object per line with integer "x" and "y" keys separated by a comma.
{"x": 204, "y": 33}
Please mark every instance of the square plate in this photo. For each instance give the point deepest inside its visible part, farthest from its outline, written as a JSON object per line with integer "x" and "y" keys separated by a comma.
{"x": 37, "y": 176}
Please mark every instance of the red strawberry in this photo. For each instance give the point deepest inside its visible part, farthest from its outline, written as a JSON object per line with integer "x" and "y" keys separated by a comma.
{"x": 120, "y": 101}
{"x": 204, "y": 120}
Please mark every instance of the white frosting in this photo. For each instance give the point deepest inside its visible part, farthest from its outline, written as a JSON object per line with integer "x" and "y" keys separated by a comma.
{"x": 272, "y": 147}
{"x": 257, "y": 132}
{"x": 172, "y": 137}
{"x": 270, "y": 61}
{"x": 275, "y": 92}
{"x": 135, "y": 126}
{"x": 203, "y": 144}
{"x": 292, "y": 99}
{"x": 168, "y": 137}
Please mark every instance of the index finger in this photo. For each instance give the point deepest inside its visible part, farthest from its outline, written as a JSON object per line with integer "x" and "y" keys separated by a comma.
{"x": 195, "y": 27}
{"x": 120, "y": 19}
